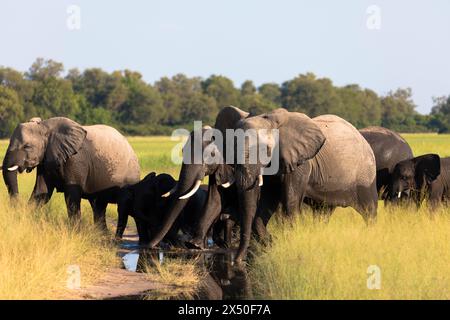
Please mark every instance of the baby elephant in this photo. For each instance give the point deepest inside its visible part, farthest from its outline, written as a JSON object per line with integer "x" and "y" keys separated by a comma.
{"x": 145, "y": 202}
{"x": 423, "y": 177}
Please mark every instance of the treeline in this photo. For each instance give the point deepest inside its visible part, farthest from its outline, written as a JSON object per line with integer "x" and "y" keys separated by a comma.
{"x": 123, "y": 99}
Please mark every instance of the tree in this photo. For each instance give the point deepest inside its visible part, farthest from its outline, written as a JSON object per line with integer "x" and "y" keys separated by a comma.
{"x": 24, "y": 88}
{"x": 43, "y": 69}
{"x": 398, "y": 110}
{"x": 310, "y": 95}
{"x": 143, "y": 104}
{"x": 271, "y": 92}
{"x": 256, "y": 104}
{"x": 248, "y": 88}
{"x": 184, "y": 100}
{"x": 11, "y": 111}
{"x": 222, "y": 90}
{"x": 440, "y": 114}
{"x": 54, "y": 97}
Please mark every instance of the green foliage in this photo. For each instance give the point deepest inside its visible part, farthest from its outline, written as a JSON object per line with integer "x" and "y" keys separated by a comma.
{"x": 125, "y": 100}
{"x": 11, "y": 110}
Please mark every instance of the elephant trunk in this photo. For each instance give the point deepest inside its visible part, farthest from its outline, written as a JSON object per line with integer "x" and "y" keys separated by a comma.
{"x": 11, "y": 164}
{"x": 189, "y": 175}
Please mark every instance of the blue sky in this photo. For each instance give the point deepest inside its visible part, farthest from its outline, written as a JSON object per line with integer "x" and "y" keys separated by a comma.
{"x": 265, "y": 41}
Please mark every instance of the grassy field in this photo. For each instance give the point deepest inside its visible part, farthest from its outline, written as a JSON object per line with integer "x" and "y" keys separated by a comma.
{"x": 37, "y": 246}
{"x": 410, "y": 252}
{"x": 305, "y": 260}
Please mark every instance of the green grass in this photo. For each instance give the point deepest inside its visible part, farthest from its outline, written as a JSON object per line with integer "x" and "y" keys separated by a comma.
{"x": 308, "y": 260}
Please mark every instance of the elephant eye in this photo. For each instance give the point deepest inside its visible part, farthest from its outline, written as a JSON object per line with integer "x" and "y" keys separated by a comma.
{"x": 27, "y": 147}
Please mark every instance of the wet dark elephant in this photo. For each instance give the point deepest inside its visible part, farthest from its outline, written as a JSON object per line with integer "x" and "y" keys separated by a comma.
{"x": 324, "y": 159}
{"x": 424, "y": 177}
{"x": 148, "y": 200}
{"x": 389, "y": 149}
{"x": 90, "y": 162}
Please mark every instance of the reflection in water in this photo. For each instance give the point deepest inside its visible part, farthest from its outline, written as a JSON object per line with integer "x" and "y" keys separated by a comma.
{"x": 223, "y": 280}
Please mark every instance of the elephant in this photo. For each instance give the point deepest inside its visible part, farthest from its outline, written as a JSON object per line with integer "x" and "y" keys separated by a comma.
{"x": 89, "y": 162}
{"x": 324, "y": 159}
{"x": 147, "y": 201}
{"x": 424, "y": 177}
{"x": 342, "y": 174}
{"x": 222, "y": 193}
{"x": 389, "y": 149}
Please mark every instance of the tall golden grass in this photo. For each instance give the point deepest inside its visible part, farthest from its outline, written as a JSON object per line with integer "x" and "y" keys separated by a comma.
{"x": 310, "y": 260}
{"x": 37, "y": 246}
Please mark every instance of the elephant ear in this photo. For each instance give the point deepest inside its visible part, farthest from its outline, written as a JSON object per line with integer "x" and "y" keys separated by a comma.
{"x": 427, "y": 168}
{"x": 300, "y": 138}
{"x": 164, "y": 183}
{"x": 66, "y": 137}
{"x": 224, "y": 174}
{"x": 228, "y": 117}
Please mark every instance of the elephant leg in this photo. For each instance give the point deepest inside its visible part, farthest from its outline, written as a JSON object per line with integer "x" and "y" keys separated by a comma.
{"x": 219, "y": 233}
{"x": 248, "y": 200}
{"x": 436, "y": 193}
{"x": 42, "y": 191}
{"x": 99, "y": 207}
{"x": 322, "y": 212}
{"x": 267, "y": 207}
{"x": 367, "y": 203}
{"x": 211, "y": 213}
{"x": 72, "y": 195}
{"x": 294, "y": 189}
{"x": 122, "y": 222}
{"x": 123, "y": 210}
{"x": 228, "y": 232}
{"x": 143, "y": 231}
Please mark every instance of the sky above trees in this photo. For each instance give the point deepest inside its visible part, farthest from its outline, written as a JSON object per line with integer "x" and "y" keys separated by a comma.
{"x": 265, "y": 41}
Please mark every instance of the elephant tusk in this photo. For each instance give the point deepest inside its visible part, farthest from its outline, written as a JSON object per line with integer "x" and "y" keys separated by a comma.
{"x": 13, "y": 168}
{"x": 194, "y": 190}
{"x": 168, "y": 193}
{"x": 227, "y": 184}
{"x": 260, "y": 180}
{"x": 399, "y": 194}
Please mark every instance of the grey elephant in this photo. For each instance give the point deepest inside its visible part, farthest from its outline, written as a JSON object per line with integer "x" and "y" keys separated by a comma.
{"x": 324, "y": 159}
{"x": 90, "y": 162}
{"x": 423, "y": 177}
{"x": 389, "y": 149}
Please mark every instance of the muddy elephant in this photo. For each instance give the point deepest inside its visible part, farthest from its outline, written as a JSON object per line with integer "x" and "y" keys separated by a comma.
{"x": 389, "y": 149}
{"x": 324, "y": 159}
{"x": 89, "y": 162}
{"x": 147, "y": 201}
{"x": 423, "y": 177}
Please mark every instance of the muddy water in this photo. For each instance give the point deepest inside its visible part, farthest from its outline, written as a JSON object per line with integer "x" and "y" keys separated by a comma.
{"x": 223, "y": 279}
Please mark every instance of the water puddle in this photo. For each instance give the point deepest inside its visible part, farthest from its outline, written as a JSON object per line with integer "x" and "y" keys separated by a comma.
{"x": 222, "y": 279}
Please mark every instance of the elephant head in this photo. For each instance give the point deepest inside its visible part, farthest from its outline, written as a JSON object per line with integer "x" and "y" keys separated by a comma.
{"x": 49, "y": 143}
{"x": 414, "y": 175}
{"x": 299, "y": 139}
{"x": 193, "y": 169}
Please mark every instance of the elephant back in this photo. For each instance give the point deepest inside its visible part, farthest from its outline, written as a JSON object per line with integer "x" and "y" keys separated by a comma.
{"x": 346, "y": 160}
{"x": 111, "y": 159}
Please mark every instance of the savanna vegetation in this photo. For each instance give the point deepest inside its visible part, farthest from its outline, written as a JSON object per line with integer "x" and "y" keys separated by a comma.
{"x": 123, "y": 99}
{"x": 411, "y": 248}
{"x": 306, "y": 260}
{"x": 38, "y": 245}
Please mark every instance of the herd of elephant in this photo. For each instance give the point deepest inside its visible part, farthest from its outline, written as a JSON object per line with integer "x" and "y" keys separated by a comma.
{"x": 324, "y": 162}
